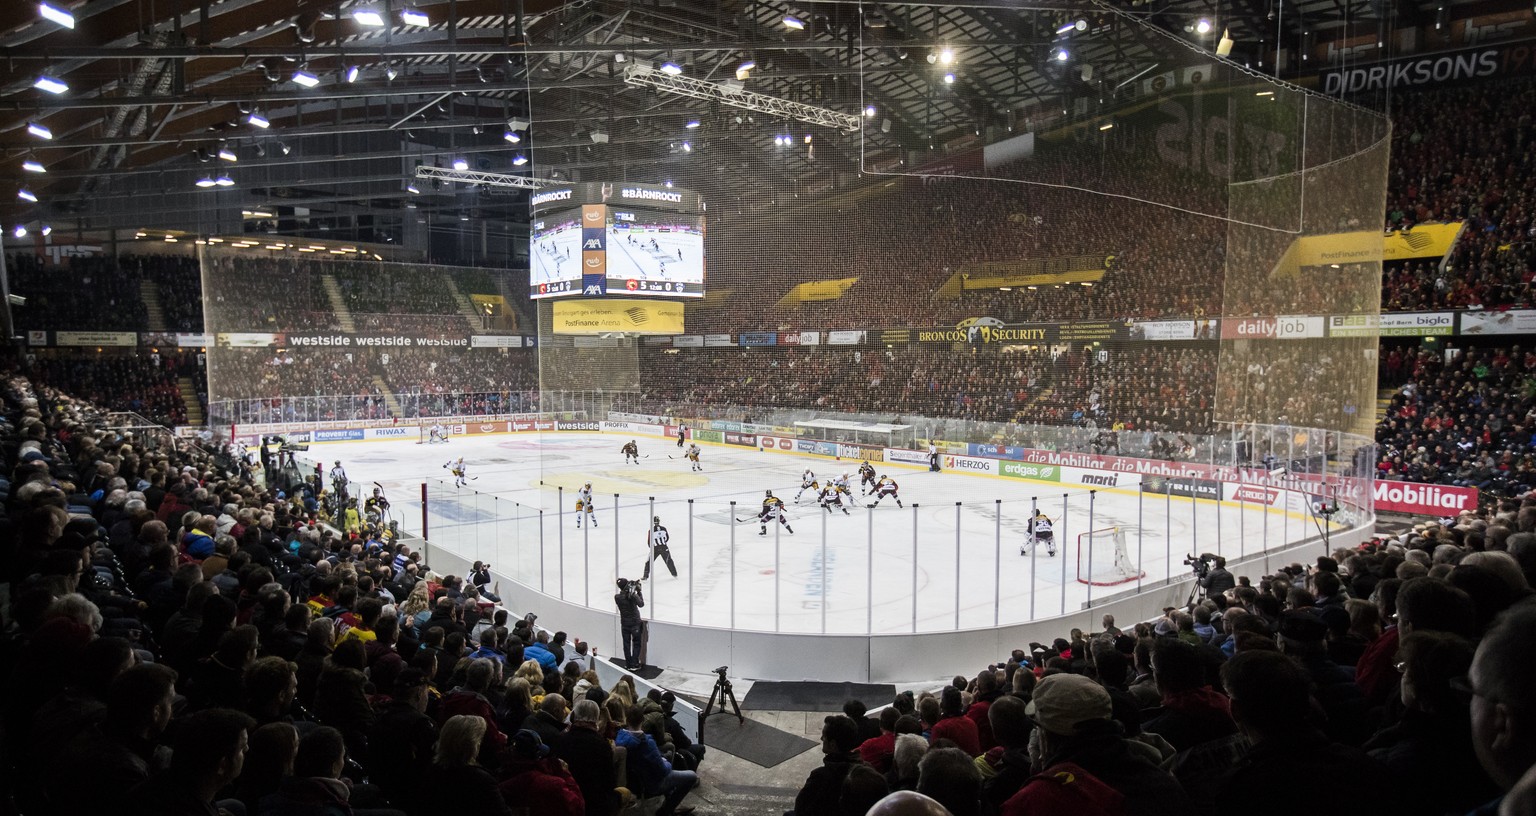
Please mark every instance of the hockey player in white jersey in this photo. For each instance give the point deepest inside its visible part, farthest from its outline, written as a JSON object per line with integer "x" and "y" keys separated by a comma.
{"x": 584, "y": 506}
{"x": 459, "y": 471}
{"x": 807, "y": 482}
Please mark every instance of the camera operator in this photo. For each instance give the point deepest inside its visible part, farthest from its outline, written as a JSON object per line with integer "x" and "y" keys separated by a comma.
{"x": 1217, "y": 580}
{"x": 629, "y": 600}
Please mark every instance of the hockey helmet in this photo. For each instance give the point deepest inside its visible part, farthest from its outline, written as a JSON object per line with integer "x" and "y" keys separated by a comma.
{"x": 768, "y": 492}
{"x": 655, "y": 519}
{"x": 589, "y": 484}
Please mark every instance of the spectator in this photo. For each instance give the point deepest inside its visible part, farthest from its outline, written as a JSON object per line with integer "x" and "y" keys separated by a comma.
{"x": 589, "y": 757}
{"x": 954, "y": 726}
{"x": 401, "y": 742}
{"x": 457, "y": 782}
{"x": 1192, "y": 712}
{"x": 121, "y": 751}
{"x": 538, "y": 782}
{"x": 649, "y": 773}
{"x": 1499, "y": 680}
{"x": 839, "y": 748}
{"x": 209, "y": 753}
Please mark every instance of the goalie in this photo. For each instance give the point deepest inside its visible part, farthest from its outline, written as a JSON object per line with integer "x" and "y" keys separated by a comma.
{"x": 1039, "y": 533}
{"x": 436, "y": 434}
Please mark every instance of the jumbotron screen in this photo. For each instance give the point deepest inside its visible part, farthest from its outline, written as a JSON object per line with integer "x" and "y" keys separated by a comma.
{"x": 655, "y": 252}
{"x": 554, "y": 254}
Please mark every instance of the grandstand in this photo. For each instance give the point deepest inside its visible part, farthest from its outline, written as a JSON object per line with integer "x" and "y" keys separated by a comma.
{"x": 1059, "y": 270}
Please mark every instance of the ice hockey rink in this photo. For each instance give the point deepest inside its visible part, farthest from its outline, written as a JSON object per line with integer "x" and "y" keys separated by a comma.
{"x": 949, "y": 560}
{"x": 677, "y": 256}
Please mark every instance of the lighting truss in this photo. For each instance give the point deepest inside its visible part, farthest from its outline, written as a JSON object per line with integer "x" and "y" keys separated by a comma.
{"x": 479, "y": 177}
{"x": 734, "y": 96}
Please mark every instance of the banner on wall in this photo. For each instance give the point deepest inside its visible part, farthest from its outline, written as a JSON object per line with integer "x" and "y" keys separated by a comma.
{"x": 1513, "y": 321}
{"x": 715, "y": 340}
{"x": 1029, "y": 470}
{"x": 495, "y": 341}
{"x": 1433, "y": 500}
{"x": 845, "y": 338}
{"x": 1160, "y": 330}
{"x": 1191, "y": 488}
{"x": 85, "y": 338}
{"x": 629, "y": 316}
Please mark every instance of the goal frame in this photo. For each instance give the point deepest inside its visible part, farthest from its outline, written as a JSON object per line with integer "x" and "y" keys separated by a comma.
{"x": 424, "y": 433}
{"x": 1132, "y": 571}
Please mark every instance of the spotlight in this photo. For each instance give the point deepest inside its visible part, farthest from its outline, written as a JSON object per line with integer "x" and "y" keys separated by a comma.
{"x": 807, "y": 138}
{"x": 511, "y": 137}
{"x": 257, "y": 120}
{"x": 518, "y": 124}
{"x": 687, "y": 148}
{"x": 1065, "y": 28}
{"x": 306, "y": 79}
{"x": 1106, "y": 126}
{"x": 51, "y": 85}
{"x": 869, "y": 111}
{"x": 519, "y": 160}
{"x": 39, "y": 131}
{"x": 946, "y": 56}
{"x": 352, "y": 72}
{"x": 692, "y": 123}
{"x": 26, "y": 195}
{"x": 33, "y": 166}
{"x": 1061, "y": 55}
{"x": 1203, "y": 26}
{"x": 744, "y": 70}
{"x": 20, "y": 231}
{"x": 414, "y": 17}
{"x": 949, "y": 79}
{"x": 793, "y": 22}
{"x": 412, "y": 189}
{"x": 56, "y": 15}
{"x": 671, "y": 69}
{"x": 282, "y": 147}
{"x": 1224, "y": 45}
{"x": 224, "y": 181}
{"x": 228, "y": 155}
{"x": 47, "y": 230}
{"x": 205, "y": 181}
{"x": 390, "y": 73}
{"x": 667, "y": 183}
{"x": 460, "y": 164}
{"x": 368, "y": 17}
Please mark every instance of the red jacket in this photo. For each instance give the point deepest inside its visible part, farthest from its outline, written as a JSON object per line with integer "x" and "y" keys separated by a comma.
{"x": 542, "y": 786}
{"x": 879, "y": 751}
{"x": 1376, "y": 673}
{"x": 464, "y": 701}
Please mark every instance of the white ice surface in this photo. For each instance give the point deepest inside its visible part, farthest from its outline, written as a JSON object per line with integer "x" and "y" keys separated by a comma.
{"x": 515, "y": 515}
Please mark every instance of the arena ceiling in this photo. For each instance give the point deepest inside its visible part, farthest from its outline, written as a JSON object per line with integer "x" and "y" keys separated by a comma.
{"x": 157, "y": 89}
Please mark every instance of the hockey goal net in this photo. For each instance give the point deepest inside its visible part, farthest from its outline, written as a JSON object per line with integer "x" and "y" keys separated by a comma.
{"x": 424, "y": 435}
{"x": 1102, "y": 559}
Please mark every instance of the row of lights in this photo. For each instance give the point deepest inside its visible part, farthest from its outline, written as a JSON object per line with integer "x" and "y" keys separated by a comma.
{"x": 21, "y": 230}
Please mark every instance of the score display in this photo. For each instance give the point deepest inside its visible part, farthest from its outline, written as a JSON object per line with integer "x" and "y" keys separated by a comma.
{"x": 554, "y": 254}
{"x": 591, "y": 238}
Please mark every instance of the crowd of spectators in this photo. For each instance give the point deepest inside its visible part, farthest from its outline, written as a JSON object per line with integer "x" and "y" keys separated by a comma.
{"x": 143, "y": 382}
{"x": 88, "y": 293}
{"x": 1385, "y": 679}
{"x": 178, "y": 283}
{"x": 1468, "y": 421}
{"x": 181, "y": 639}
{"x": 243, "y": 292}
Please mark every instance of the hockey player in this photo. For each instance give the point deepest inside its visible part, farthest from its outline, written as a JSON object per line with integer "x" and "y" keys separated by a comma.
{"x": 866, "y": 477}
{"x": 832, "y": 496}
{"x": 1040, "y": 533}
{"x": 773, "y": 509}
{"x": 886, "y": 487}
{"x": 659, "y": 549}
{"x": 584, "y": 506}
{"x": 436, "y": 434}
{"x": 456, "y": 466}
{"x": 841, "y": 483}
{"x": 693, "y": 457}
{"x": 808, "y": 482}
{"x": 631, "y": 451}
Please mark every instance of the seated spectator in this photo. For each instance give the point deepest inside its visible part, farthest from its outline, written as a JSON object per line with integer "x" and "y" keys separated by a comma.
{"x": 1192, "y": 712}
{"x": 589, "y": 757}
{"x": 121, "y": 751}
{"x": 401, "y": 742}
{"x": 469, "y": 699}
{"x": 456, "y": 782}
{"x": 839, "y": 748}
{"x": 1500, "y": 681}
{"x": 268, "y": 761}
{"x": 949, "y": 776}
{"x": 208, "y": 755}
{"x": 1272, "y": 704}
{"x": 954, "y": 726}
{"x": 534, "y": 780}
{"x": 649, "y": 773}
{"x": 1076, "y": 735}
{"x": 878, "y": 751}
{"x": 548, "y": 721}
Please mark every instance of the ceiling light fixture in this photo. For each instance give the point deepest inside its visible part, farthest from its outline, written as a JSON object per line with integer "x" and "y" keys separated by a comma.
{"x": 949, "y": 79}
{"x": 412, "y": 189}
{"x": 1065, "y": 28}
{"x": 671, "y": 69}
{"x": 687, "y": 148}
{"x": 1062, "y": 55}
{"x": 26, "y": 195}
{"x": 39, "y": 131}
{"x": 692, "y": 123}
{"x": 511, "y": 137}
{"x": 946, "y": 56}
{"x": 869, "y": 111}
{"x": 50, "y": 84}
{"x": 228, "y": 155}
{"x": 1203, "y": 26}
{"x": 205, "y": 181}
{"x": 352, "y": 72}
{"x": 33, "y": 166}
{"x": 224, "y": 181}
{"x": 414, "y": 17}
{"x": 56, "y": 15}
{"x": 460, "y": 164}
{"x": 255, "y": 119}
{"x": 20, "y": 231}
{"x": 1106, "y": 126}
{"x": 793, "y": 22}
{"x": 519, "y": 160}
{"x": 390, "y": 73}
{"x": 47, "y": 230}
{"x": 305, "y": 78}
{"x": 368, "y": 16}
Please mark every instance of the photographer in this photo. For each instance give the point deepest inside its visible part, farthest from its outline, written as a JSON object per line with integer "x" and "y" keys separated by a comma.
{"x": 629, "y": 600}
{"x": 1217, "y": 580}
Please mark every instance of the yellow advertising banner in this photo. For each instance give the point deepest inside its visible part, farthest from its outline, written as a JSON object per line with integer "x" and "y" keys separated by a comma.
{"x": 1027, "y": 272}
{"x": 1050, "y": 279}
{"x": 816, "y": 291}
{"x": 627, "y": 316}
{"x": 1367, "y": 246}
{"x": 481, "y": 301}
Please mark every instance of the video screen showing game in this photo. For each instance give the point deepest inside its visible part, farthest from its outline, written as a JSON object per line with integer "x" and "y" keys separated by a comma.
{"x": 554, "y": 254}
{"x": 658, "y": 253}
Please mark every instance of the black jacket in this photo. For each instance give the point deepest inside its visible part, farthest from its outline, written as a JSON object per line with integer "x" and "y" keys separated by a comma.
{"x": 590, "y": 758}
{"x": 629, "y": 604}
{"x": 1099, "y": 749}
{"x": 822, "y": 788}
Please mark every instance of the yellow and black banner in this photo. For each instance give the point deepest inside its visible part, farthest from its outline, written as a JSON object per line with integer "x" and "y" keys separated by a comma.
{"x": 617, "y": 315}
{"x": 812, "y": 291}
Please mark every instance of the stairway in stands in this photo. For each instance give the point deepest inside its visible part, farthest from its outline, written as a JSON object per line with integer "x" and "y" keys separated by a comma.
{"x": 189, "y": 398}
{"x": 465, "y": 305}
{"x": 338, "y": 303}
{"x": 389, "y": 397}
{"x": 150, "y": 294}
{"x": 1383, "y": 402}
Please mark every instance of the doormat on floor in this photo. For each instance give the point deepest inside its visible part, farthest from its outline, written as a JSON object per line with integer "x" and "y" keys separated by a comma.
{"x": 808, "y": 696}
{"x": 753, "y": 741}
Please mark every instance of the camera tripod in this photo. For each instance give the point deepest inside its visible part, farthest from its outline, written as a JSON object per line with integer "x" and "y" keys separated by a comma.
{"x": 723, "y": 691}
